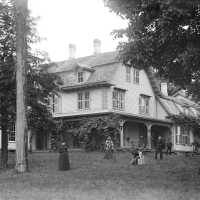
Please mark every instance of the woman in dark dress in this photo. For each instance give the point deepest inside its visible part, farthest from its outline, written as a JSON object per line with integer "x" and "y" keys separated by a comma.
{"x": 63, "y": 157}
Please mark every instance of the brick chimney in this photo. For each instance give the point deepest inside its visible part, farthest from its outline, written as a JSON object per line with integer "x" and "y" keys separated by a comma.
{"x": 72, "y": 51}
{"x": 97, "y": 46}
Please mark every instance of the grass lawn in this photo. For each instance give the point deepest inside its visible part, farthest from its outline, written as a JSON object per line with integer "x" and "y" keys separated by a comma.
{"x": 91, "y": 177}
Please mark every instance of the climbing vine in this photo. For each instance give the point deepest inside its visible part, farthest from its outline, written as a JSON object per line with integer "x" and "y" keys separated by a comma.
{"x": 90, "y": 131}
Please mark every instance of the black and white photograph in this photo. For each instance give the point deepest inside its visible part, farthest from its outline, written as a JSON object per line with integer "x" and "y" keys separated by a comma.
{"x": 100, "y": 99}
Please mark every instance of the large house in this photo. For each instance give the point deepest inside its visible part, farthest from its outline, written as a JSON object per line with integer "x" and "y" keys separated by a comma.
{"x": 100, "y": 84}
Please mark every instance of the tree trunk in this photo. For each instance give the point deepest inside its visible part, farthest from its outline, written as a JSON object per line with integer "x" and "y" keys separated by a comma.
{"x": 21, "y": 124}
{"x": 4, "y": 145}
{"x": 30, "y": 141}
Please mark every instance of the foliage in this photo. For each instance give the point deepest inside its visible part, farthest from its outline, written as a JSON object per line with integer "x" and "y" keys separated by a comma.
{"x": 91, "y": 131}
{"x": 164, "y": 34}
{"x": 186, "y": 120}
{"x": 39, "y": 84}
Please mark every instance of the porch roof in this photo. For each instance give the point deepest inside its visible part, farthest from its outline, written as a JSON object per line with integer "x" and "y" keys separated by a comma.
{"x": 175, "y": 106}
{"x": 138, "y": 118}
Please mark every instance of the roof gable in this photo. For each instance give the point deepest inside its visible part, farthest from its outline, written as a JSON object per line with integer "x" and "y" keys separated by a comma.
{"x": 88, "y": 62}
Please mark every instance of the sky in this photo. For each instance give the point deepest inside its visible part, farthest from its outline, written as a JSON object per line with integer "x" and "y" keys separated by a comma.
{"x": 79, "y": 22}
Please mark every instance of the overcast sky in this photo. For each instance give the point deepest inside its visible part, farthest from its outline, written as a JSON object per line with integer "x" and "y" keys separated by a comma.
{"x": 74, "y": 21}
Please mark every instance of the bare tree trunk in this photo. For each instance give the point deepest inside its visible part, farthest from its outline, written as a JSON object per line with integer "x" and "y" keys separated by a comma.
{"x": 21, "y": 124}
{"x": 4, "y": 144}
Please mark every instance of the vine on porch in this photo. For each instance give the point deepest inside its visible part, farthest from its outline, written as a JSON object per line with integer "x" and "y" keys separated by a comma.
{"x": 90, "y": 131}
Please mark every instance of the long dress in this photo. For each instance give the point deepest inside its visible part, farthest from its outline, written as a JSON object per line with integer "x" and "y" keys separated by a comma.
{"x": 63, "y": 158}
{"x": 109, "y": 148}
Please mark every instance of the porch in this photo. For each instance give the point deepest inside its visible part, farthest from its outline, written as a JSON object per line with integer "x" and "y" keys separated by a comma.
{"x": 143, "y": 133}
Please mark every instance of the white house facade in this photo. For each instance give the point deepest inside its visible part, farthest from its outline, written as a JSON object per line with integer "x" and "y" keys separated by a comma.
{"x": 100, "y": 84}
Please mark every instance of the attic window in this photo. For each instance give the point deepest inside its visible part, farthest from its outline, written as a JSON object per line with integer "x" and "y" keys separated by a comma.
{"x": 80, "y": 77}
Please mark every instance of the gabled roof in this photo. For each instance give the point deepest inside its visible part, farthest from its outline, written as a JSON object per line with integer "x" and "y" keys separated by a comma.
{"x": 88, "y": 61}
{"x": 96, "y": 64}
{"x": 173, "y": 105}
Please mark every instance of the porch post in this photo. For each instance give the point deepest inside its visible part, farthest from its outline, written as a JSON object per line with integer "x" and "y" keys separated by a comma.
{"x": 121, "y": 128}
{"x": 149, "y": 135}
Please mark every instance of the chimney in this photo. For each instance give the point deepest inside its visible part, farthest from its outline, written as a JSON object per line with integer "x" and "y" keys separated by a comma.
{"x": 164, "y": 88}
{"x": 97, "y": 46}
{"x": 72, "y": 51}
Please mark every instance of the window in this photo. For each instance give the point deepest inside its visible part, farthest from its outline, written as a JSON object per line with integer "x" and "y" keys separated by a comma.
{"x": 56, "y": 104}
{"x": 11, "y": 132}
{"x": 183, "y": 135}
{"x": 83, "y": 100}
{"x": 80, "y": 77}
{"x": 144, "y": 104}
{"x": 118, "y": 99}
{"x": 128, "y": 74}
{"x": 136, "y": 76}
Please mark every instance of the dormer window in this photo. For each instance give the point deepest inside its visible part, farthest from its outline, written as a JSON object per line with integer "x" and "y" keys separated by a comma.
{"x": 80, "y": 77}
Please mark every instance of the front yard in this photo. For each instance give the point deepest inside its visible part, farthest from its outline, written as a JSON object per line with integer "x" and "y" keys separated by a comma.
{"x": 92, "y": 177}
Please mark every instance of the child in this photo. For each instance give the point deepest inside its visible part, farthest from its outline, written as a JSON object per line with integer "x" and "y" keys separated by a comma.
{"x": 135, "y": 157}
{"x": 141, "y": 158}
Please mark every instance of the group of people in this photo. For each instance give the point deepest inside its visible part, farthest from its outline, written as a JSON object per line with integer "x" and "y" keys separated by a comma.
{"x": 137, "y": 154}
{"x": 160, "y": 146}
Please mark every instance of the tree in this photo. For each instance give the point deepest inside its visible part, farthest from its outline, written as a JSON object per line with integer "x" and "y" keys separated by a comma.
{"x": 7, "y": 75}
{"x": 163, "y": 34}
{"x": 39, "y": 85}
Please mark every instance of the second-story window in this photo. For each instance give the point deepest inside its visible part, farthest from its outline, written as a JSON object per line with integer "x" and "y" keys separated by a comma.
{"x": 136, "y": 76}
{"x": 80, "y": 77}
{"x": 118, "y": 99}
{"x": 128, "y": 74}
{"x": 83, "y": 100}
{"x": 144, "y": 104}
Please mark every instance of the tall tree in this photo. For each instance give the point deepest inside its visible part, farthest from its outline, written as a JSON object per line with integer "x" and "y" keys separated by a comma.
{"x": 164, "y": 34}
{"x": 39, "y": 84}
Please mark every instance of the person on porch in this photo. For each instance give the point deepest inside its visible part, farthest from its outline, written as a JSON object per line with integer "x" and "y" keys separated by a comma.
{"x": 160, "y": 145}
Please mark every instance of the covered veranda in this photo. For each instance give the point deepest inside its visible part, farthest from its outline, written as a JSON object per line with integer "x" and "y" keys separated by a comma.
{"x": 143, "y": 132}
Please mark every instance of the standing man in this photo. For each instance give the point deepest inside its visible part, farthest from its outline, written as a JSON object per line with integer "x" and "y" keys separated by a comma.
{"x": 160, "y": 145}
{"x": 169, "y": 147}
